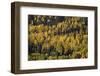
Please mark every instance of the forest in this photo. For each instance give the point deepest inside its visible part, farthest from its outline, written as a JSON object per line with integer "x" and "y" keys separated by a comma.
{"x": 57, "y": 37}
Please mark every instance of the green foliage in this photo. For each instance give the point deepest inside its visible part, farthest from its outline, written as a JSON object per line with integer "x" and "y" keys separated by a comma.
{"x": 66, "y": 39}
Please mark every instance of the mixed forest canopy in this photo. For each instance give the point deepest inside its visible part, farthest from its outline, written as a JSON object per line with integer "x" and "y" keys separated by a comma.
{"x": 57, "y": 37}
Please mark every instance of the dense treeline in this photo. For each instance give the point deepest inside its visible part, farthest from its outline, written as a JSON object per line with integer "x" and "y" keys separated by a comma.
{"x": 57, "y": 37}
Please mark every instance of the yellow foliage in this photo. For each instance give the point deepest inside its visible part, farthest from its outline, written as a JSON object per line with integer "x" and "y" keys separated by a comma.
{"x": 60, "y": 37}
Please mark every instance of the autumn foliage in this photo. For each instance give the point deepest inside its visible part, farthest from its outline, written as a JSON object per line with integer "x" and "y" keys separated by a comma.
{"x": 57, "y": 37}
